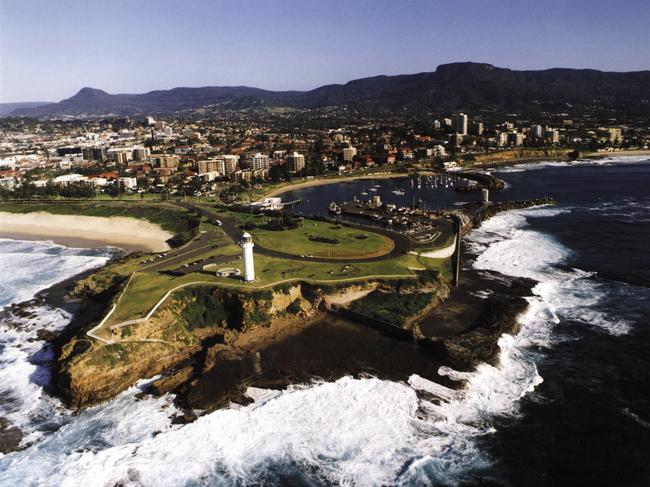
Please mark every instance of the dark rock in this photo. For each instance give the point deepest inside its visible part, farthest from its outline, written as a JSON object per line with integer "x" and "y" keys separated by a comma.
{"x": 10, "y": 437}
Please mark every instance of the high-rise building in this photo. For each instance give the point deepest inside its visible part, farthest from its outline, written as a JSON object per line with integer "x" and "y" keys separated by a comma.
{"x": 615, "y": 134}
{"x": 537, "y": 131}
{"x": 140, "y": 153}
{"x": 94, "y": 153}
{"x": 516, "y": 139}
{"x": 296, "y": 162}
{"x": 164, "y": 161}
{"x": 460, "y": 123}
{"x": 208, "y": 165}
{"x": 552, "y": 135}
{"x": 220, "y": 164}
{"x": 230, "y": 163}
{"x": 502, "y": 139}
{"x": 260, "y": 161}
{"x": 476, "y": 128}
{"x": 349, "y": 153}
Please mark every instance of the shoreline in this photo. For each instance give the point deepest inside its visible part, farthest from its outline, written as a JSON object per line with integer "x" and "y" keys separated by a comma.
{"x": 84, "y": 231}
{"x": 482, "y": 165}
{"x": 584, "y": 157}
{"x": 325, "y": 181}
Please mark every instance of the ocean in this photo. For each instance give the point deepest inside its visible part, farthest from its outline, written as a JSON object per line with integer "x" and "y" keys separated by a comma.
{"x": 569, "y": 403}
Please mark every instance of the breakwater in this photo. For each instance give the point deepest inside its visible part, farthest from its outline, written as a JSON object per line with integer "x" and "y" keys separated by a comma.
{"x": 485, "y": 181}
{"x": 481, "y": 213}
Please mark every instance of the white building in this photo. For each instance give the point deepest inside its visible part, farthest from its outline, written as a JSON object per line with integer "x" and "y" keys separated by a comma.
{"x": 98, "y": 182}
{"x": 8, "y": 182}
{"x": 272, "y": 204}
{"x": 502, "y": 139}
{"x": 68, "y": 179}
{"x": 349, "y": 153}
{"x": 247, "y": 245}
{"x": 230, "y": 163}
{"x": 296, "y": 162}
{"x": 439, "y": 151}
{"x": 128, "y": 183}
{"x": 260, "y": 161}
{"x": 553, "y": 135}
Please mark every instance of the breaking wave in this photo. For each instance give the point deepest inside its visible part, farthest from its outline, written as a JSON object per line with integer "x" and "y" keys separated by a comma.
{"x": 506, "y": 244}
{"x": 604, "y": 161}
{"x": 27, "y": 267}
{"x": 354, "y": 431}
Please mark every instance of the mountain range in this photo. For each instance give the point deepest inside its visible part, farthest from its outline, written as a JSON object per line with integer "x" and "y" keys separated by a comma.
{"x": 456, "y": 86}
{"x": 6, "y": 108}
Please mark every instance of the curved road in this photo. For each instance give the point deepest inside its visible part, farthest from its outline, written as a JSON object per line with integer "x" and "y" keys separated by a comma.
{"x": 402, "y": 242}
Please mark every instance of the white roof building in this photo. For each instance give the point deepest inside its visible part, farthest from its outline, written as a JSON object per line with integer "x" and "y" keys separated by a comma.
{"x": 69, "y": 179}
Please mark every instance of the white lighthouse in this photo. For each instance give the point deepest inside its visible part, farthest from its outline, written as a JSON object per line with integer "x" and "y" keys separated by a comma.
{"x": 246, "y": 243}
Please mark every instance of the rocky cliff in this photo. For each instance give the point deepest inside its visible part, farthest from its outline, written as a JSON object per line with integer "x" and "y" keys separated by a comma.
{"x": 180, "y": 335}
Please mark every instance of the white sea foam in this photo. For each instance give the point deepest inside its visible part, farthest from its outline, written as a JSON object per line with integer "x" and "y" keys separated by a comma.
{"x": 27, "y": 267}
{"x": 350, "y": 432}
{"x": 506, "y": 244}
{"x": 604, "y": 161}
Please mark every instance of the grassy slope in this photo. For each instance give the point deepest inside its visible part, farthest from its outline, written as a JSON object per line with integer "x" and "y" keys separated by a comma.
{"x": 146, "y": 289}
{"x": 393, "y": 308}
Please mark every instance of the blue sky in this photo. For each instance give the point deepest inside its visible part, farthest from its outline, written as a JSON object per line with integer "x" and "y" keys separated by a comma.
{"x": 50, "y": 49}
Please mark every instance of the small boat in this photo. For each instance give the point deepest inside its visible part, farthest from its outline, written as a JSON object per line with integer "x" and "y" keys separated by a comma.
{"x": 399, "y": 192}
{"x": 372, "y": 189}
{"x": 334, "y": 208}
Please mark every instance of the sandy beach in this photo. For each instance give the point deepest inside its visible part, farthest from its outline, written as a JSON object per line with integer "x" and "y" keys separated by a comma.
{"x": 85, "y": 231}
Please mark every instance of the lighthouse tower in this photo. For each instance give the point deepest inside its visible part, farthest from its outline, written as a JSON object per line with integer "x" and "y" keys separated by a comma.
{"x": 246, "y": 243}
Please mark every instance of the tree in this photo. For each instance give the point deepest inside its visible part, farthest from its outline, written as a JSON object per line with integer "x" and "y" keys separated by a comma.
{"x": 275, "y": 173}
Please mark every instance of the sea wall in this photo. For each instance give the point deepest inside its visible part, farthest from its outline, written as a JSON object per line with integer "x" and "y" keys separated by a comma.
{"x": 488, "y": 211}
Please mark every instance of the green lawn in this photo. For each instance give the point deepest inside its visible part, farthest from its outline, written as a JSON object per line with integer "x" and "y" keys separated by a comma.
{"x": 147, "y": 288}
{"x": 337, "y": 241}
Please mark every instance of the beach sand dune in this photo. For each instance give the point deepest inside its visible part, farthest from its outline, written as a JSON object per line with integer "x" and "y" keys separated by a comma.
{"x": 85, "y": 231}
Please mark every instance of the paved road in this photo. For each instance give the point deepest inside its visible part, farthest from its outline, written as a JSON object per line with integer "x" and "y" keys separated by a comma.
{"x": 216, "y": 259}
{"x": 200, "y": 245}
{"x": 402, "y": 242}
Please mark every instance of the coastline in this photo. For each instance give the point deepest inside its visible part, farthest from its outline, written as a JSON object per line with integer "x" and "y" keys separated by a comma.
{"x": 334, "y": 180}
{"x": 85, "y": 231}
{"x": 583, "y": 157}
{"x": 307, "y": 348}
{"x": 474, "y": 165}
